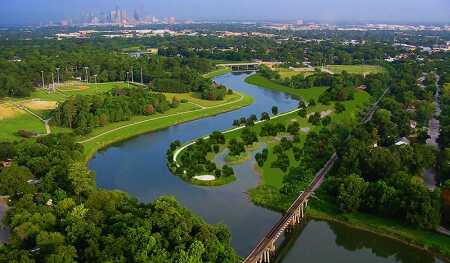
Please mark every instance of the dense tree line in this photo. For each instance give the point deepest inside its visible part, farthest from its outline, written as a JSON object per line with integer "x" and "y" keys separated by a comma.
{"x": 21, "y": 65}
{"x": 378, "y": 175}
{"x": 83, "y": 113}
{"x": 60, "y": 216}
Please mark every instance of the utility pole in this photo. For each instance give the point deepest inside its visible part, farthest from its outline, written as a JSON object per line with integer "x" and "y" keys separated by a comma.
{"x": 43, "y": 83}
{"x": 142, "y": 78}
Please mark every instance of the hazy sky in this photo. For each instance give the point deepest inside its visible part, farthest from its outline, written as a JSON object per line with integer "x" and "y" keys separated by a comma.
{"x": 35, "y": 11}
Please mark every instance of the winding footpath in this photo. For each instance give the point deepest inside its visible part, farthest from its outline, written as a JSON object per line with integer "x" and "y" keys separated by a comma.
{"x": 161, "y": 117}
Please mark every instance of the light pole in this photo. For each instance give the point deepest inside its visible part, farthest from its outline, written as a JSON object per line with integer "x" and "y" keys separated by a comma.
{"x": 128, "y": 79}
{"x": 95, "y": 80}
{"x": 53, "y": 81}
{"x": 142, "y": 78}
{"x": 43, "y": 83}
{"x": 87, "y": 77}
{"x": 132, "y": 75}
{"x": 57, "y": 70}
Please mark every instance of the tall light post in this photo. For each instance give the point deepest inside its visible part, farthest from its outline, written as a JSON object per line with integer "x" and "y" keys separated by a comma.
{"x": 87, "y": 77}
{"x": 53, "y": 81}
{"x": 128, "y": 79}
{"x": 57, "y": 70}
{"x": 132, "y": 75}
{"x": 142, "y": 77}
{"x": 95, "y": 80}
{"x": 43, "y": 83}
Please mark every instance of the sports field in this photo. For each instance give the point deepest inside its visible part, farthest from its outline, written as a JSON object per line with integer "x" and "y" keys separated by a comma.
{"x": 355, "y": 69}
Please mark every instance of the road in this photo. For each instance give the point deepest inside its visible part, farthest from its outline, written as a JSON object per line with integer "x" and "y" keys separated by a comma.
{"x": 429, "y": 175}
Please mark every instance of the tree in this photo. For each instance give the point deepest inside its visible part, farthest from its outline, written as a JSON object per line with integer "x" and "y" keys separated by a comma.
{"x": 82, "y": 180}
{"x": 339, "y": 107}
{"x": 351, "y": 192}
{"x": 326, "y": 120}
{"x": 227, "y": 171}
{"x": 14, "y": 181}
{"x": 236, "y": 147}
{"x": 248, "y": 136}
{"x": 265, "y": 116}
{"x": 293, "y": 128}
{"x": 314, "y": 119}
{"x": 274, "y": 110}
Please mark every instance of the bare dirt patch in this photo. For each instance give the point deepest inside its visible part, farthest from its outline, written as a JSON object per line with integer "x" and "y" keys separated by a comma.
{"x": 40, "y": 104}
{"x": 8, "y": 111}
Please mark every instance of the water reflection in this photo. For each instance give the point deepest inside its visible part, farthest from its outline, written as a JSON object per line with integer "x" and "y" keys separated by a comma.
{"x": 319, "y": 241}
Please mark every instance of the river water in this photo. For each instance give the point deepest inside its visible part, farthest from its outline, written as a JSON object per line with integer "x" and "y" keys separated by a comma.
{"x": 138, "y": 166}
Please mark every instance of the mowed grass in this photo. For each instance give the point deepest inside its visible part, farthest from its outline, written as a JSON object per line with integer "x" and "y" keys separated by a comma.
{"x": 289, "y": 73}
{"x": 355, "y": 69}
{"x": 142, "y": 124}
{"x": 306, "y": 94}
{"x": 218, "y": 72}
{"x": 195, "y": 98}
{"x": 21, "y": 121}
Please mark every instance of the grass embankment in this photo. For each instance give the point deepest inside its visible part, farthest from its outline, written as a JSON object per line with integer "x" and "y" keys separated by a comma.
{"x": 307, "y": 94}
{"x": 355, "y": 69}
{"x": 218, "y": 72}
{"x": 16, "y": 120}
{"x": 289, "y": 73}
{"x": 115, "y": 132}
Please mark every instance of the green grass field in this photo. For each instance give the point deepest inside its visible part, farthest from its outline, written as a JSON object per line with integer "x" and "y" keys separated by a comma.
{"x": 22, "y": 121}
{"x": 114, "y": 132}
{"x": 306, "y": 94}
{"x": 356, "y": 69}
{"x": 218, "y": 72}
{"x": 65, "y": 91}
{"x": 289, "y": 73}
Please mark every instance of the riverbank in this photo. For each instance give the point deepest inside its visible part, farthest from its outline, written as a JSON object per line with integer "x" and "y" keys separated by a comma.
{"x": 148, "y": 124}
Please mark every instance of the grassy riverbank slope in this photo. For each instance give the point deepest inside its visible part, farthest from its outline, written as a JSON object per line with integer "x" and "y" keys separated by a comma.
{"x": 114, "y": 132}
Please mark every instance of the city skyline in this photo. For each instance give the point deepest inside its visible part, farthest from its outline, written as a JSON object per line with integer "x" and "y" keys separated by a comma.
{"x": 402, "y": 11}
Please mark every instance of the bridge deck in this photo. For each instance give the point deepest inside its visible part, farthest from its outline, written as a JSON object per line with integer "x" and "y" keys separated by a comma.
{"x": 287, "y": 217}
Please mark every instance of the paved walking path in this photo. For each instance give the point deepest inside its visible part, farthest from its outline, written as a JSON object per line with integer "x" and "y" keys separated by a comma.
{"x": 161, "y": 117}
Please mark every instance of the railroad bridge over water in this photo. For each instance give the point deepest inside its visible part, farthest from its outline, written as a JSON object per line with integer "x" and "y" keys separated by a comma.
{"x": 294, "y": 215}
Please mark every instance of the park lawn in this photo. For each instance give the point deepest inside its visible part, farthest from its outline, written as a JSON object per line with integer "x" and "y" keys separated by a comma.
{"x": 64, "y": 92}
{"x": 22, "y": 121}
{"x": 356, "y": 69}
{"x": 307, "y": 94}
{"x": 218, "y": 72}
{"x": 289, "y": 73}
{"x": 142, "y": 124}
{"x": 195, "y": 98}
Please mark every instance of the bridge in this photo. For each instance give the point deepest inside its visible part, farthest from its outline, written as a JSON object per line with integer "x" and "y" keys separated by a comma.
{"x": 248, "y": 66}
{"x": 294, "y": 215}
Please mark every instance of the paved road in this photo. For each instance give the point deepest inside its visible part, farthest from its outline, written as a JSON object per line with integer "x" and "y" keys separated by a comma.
{"x": 429, "y": 175}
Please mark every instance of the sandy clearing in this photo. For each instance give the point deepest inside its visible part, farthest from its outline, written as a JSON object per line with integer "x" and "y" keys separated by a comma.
{"x": 40, "y": 104}
{"x": 205, "y": 177}
{"x": 8, "y": 111}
